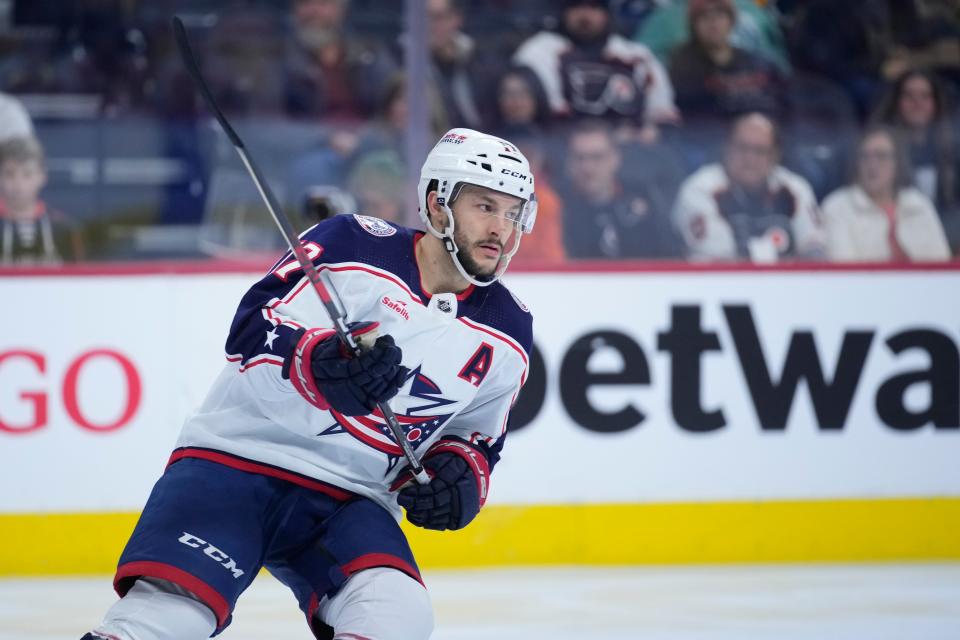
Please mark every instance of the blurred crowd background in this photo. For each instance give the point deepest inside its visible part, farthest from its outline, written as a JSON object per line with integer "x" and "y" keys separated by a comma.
{"x": 705, "y": 130}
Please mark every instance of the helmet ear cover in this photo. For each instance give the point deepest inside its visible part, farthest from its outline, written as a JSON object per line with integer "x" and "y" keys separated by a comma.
{"x": 425, "y": 205}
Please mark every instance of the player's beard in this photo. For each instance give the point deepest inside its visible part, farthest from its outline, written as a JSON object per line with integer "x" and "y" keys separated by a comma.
{"x": 465, "y": 256}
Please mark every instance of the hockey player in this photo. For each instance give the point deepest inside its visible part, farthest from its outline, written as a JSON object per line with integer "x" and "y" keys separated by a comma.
{"x": 287, "y": 464}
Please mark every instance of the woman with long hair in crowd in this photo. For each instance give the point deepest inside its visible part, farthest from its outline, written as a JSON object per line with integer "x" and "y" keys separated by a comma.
{"x": 881, "y": 216}
{"x": 520, "y": 103}
{"x": 917, "y": 106}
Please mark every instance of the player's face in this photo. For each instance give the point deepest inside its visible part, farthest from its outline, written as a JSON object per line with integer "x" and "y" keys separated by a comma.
{"x": 20, "y": 183}
{"x": 483, "y": 230}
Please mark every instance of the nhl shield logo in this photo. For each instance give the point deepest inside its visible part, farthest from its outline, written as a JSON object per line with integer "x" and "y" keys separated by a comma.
{"x": 374, "y": 226}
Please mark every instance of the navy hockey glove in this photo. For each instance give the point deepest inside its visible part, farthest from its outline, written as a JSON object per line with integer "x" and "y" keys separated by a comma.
{"x": 460, "y": 475}
{"x": 329, "y": 377}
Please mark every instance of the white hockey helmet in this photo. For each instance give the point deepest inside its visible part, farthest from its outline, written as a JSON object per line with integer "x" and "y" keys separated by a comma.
{"x": 465, "y": 156}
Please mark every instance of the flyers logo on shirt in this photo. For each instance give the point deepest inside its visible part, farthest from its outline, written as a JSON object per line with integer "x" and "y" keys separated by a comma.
{"x": 374, "y": 226}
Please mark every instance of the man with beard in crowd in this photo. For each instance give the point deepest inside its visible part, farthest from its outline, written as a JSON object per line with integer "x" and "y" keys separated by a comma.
{"x": 329, "y": 72}
{"x": 588, "y": 70}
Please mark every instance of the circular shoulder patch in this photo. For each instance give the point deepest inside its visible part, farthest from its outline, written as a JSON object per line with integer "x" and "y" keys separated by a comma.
{"x": 519, "y": 302}
{"x": 374, "y": 226}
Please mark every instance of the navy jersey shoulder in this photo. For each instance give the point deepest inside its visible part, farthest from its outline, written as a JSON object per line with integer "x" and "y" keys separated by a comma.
{"x": 256, "y": 333}
{"x": 358, "y": 238}
{"x": 495, "y": 306}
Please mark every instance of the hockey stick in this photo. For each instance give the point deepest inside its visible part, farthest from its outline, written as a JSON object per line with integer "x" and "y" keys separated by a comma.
{"x": 324, "y": 289}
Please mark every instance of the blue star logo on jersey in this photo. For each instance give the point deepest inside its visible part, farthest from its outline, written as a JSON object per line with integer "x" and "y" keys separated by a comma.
{"x": 423, "y": 388}
{"x": 373, "y": 431}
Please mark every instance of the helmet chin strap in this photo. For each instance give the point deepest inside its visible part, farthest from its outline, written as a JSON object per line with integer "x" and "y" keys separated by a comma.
{"x": 453, "y": 250}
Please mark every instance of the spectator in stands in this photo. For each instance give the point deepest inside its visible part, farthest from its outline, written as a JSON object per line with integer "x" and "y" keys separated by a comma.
{"x": 521, "y": 103}
{"x": 108, "y": 55}
{"x": 378, "y": 182}
{"x": 30, "y": 233}
{"x": 95, "y": 48}
{"x": 924, "y": 34}
{"x": 604, "y": 217}
{"x": 333, "y": 161}
{"x": 748, "y": 206}
{"x": 331, "y": 73}
{"x": 463, "y": 74}
{"x": 716, "y": 81}
{"x": 243, "y": 62}
{"x": 15, "y": 122}
{"x": 545, "y": 246}
{"x": 756, "y": 30}
{"x": 881, "y": 217}
{"x": 916, "y": 106}
{"x": 588, "y": 70}
{"x": 387, "y": 129}
{"x": 845, "y": 41}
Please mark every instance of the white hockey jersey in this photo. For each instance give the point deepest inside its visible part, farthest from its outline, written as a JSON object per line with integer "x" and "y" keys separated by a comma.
{"x": 467, "y": 355}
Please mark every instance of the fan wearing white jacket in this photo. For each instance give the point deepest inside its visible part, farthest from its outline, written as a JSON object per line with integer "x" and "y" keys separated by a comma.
{"x": 748, "y": 206}
{"x": 881, "y": 217}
